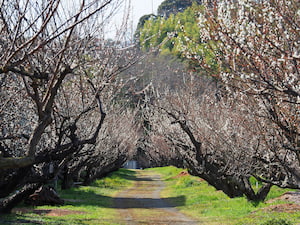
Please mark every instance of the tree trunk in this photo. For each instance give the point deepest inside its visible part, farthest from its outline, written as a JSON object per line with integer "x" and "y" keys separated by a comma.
{"x": 15, "y": 176}
{"x": 67, "y": 180}
{"x": 44, "y": 196}
{"x": 232, "y": 186}
{"x": 218, "y": 181}
{"x": 260, "y": 195}
{"x": 7, "y": 204}
{"x": 90, "y": 177}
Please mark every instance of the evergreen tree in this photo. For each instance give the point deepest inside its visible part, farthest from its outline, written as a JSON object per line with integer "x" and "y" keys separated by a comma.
{"x": 179, "y": 35}
{"x": 141, "y": 23}
{"x": 169, "y": 7}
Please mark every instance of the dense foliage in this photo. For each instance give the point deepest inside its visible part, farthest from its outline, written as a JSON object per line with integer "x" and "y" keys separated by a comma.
{"x": 179, "y": 35}
{"x": 168, "y": 7}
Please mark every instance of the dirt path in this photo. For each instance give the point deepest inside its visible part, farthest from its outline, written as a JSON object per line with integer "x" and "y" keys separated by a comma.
{"x": 142, "y": 204}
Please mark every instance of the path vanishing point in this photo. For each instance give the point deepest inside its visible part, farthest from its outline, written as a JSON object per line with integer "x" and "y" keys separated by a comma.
{"x": 142, "y": 204}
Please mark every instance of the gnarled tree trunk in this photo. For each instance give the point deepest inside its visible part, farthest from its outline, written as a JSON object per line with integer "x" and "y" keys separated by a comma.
{"x": 10, "y": 202}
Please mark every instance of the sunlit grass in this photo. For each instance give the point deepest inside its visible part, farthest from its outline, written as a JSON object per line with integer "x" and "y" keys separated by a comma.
{"x": 210, "y": 206}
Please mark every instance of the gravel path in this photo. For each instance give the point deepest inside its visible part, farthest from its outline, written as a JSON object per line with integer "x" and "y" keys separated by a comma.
{"x": 142, "y": 204}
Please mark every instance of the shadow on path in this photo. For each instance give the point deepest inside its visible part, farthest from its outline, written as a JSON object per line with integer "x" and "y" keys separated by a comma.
{"x": 127, "y": 203}
{"x": 142, "y": 203}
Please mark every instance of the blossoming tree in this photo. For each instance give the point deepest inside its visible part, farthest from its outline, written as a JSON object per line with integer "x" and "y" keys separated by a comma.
{"x": 56, "y": 70}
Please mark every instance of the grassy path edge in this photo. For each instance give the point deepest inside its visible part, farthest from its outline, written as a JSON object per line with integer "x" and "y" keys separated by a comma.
{"x": 94, "y": 202}
{"x": 213, "y": 207}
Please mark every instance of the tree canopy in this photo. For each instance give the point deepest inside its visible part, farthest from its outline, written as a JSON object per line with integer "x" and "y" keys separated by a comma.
{"x": 246, "y": 124}
{"x": 179, "y": 35}
{"x": 76, "y": 106}
{"x": 168, "y": 7}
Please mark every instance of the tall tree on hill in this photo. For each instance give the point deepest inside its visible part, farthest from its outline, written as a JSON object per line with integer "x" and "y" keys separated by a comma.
{"x": 141, "y": 23}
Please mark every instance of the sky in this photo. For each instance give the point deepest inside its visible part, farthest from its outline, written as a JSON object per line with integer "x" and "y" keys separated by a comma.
{"x": 139, "y": 8}
{"x": 143, "y": 7}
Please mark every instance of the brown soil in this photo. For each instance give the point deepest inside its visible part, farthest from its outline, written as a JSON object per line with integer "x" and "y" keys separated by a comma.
{"x": 47, "y": 212}
{"x": 288, "y": 208}
{"x": 293, "y": 206}
{"x": 142, "y": 203}
{"x": 181, "y": 174}
{"x": 293, "y": 197}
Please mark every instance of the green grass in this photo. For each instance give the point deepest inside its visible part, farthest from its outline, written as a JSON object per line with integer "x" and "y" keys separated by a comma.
{"x": 94, "y": 201}
{"x": 197, "y": 199}
{"x": 209, "y": 206}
